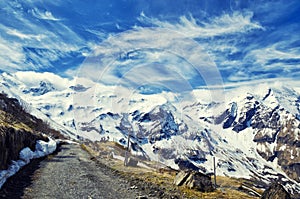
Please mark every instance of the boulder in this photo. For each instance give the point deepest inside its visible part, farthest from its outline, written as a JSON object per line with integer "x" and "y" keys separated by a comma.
{"x": 194, "y": 180}
{"x": 275, "y": 191}
{"x": 200, "y": 182}
{"x": 131, "y": 162}
{"x": 181, "y": 178}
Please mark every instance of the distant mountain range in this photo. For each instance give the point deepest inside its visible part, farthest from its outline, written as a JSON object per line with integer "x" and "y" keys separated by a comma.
{"x": 253, "y": 133}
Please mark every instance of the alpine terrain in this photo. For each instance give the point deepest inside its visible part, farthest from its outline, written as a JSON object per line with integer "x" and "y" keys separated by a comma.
{"x": 253, "y": 134}
{"x": 150, "y": 99}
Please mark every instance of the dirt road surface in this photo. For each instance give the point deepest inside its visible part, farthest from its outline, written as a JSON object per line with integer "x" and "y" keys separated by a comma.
{"x": 68, "y": 174}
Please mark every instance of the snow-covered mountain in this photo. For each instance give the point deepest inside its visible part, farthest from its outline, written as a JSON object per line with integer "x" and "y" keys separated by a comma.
{"x": 253, "y": 133}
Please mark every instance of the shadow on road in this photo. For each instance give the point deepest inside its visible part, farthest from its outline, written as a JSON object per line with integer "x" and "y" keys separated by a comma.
{"x": 16, "y": 185}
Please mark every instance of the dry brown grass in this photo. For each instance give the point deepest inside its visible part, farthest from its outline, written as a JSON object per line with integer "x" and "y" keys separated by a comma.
{"x": 228, "y": 187}
{"x": 6, "y": 120}
{"x": 89, "y": 150}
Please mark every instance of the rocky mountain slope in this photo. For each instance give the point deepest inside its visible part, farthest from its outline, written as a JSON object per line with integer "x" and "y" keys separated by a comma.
{"x": 18, "y": 130}
{"x": 22, "y": 136}
{"x": 252, "y": 133}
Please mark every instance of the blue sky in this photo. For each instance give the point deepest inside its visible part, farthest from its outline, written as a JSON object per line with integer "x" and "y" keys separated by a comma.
{"x": 155, "y": 42}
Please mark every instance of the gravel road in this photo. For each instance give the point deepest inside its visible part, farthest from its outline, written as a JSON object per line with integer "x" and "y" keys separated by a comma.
{"x": 68, "y": 174}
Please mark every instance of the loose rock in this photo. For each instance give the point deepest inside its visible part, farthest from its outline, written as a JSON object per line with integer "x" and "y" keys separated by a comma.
{"x": 194, "y": 180}
{"x": 275, "y": 191}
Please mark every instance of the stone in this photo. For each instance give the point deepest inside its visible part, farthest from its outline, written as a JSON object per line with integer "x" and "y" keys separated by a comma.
{"x": 131, "y": 162}
{"x": 142, "y": 197}
{"x": 180, "y": 178}
{"x": 275, "y": 191}
{"x": 200, "y": 182}
{"x": 194, "y": 180}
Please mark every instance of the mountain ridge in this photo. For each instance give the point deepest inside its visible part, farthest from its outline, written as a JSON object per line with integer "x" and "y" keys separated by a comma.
{"x": 167, "y": 130}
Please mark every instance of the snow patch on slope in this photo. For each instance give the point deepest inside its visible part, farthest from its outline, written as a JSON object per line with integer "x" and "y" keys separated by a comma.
{"x": 42, "y": 149}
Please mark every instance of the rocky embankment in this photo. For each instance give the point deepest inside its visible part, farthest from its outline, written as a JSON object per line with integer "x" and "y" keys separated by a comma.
{"x": 12, "y": 141}
{"x": 19, "y": 129}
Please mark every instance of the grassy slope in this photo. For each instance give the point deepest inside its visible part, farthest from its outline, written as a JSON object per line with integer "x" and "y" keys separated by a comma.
{"x": 228, "y": 187}
{"x": 16, "y": 115}
{"x": 19, "y": 129}
{"x": 6, "y": 120}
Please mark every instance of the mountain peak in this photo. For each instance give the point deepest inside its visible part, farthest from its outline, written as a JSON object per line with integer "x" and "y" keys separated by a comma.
{"x": 44, "y": 87}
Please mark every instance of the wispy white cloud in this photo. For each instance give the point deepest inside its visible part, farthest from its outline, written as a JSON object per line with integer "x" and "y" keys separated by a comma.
{"x": 227, "y": 40}
{"x": 27, "y": 44}
{"x": 265, "y": 55}
{"x": 152, "y": 55}
{"x": 218, "y": 26}
{"x": 46, "y": 15}
{"x": 21, "y": 35}
{"x": 276, "y": 81}
{"x": 31, "y": 78}
{"x": 190, "y": 47}
{"x": 169, "y": 46}
{"x": 219, "y": 38}
{"x": 11, "y": 55}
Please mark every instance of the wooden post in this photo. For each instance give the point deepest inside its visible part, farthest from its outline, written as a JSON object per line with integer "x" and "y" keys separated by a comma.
{"x": 128, "y": 142}
{"x": 215, "y": 175}
{"x": 127, "y": 150}
{"x": 125, "y": 158}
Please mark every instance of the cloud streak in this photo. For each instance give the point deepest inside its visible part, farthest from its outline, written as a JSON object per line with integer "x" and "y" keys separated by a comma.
{"x": 243, "y": 47}
{"x": 31, "y": 44}
{"x": 46, "y": 15}
{"x": 20, "y": 35}
{"x": 264, "y": 56}
{"x": 240, "y": 41}
{"x": 164, "y": 54}
{"x": 219, "y": 26}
